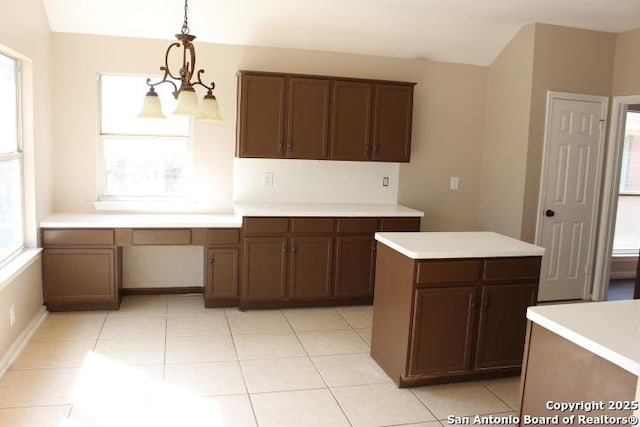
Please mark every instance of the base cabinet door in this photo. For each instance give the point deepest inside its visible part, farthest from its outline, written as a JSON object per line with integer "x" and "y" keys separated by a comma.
{"x": 310, "y": 268}
{"x": 222, "y": 277}
{"x": 264, "y": 268}
{"x": 502, "y": 325}
{"x": 443, "y": 330}
{"x": 85, "y": 278}
{"x": 355, "y": 257}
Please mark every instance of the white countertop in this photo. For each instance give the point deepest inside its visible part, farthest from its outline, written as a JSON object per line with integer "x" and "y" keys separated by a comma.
{"x": 473, "y": 244}
{"x": 141, "y": 220}
{"x": 325, "y": 209}
{"x": 610, "y": 329}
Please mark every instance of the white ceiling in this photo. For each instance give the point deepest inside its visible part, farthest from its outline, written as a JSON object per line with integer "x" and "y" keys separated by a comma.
{"x": 464, "y": 31}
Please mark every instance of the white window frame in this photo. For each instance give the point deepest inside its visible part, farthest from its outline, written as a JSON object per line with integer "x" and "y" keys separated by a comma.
{"x": 144, "y": 202}
{"x": 17, "y": 155}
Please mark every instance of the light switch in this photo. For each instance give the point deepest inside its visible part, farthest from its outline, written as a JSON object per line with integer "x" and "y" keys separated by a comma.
{"x": 267, "y": 179}
{"x": 454, "y": 183}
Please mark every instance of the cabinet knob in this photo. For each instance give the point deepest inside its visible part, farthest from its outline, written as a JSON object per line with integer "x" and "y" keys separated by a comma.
{"x": 284, "y": 248}
{"x": 473, "y": 304}
{"x": 376, "y": 148}
{"x": 294, "y": 249}
{"x": 290, "y": 145}
{"x": 279, "y": 147}
{"x": 210, "y": 261}
{"x": 485, "y": 304}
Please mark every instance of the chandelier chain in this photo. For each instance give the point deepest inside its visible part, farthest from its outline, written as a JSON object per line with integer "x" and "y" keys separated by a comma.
{"x": 185, "y": 24}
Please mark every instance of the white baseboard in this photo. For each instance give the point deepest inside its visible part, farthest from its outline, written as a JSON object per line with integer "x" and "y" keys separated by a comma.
{"x": 20, "y": 343}
{"x": 629, "y": 274}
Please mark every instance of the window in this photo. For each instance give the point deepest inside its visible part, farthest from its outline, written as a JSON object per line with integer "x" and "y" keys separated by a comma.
{"x": 11, "y": 190}
{"x": 141, "y": 159}
{"x": 626, "y": 240}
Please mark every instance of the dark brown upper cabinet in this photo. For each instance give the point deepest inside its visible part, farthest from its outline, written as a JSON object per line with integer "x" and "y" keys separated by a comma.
{"x": 261, "y": 116}
{"x": 318, "y": 117}
{"x": 351, "y": 120}
{"x": 307, "y": 119}
{"x": 393, "y": 106}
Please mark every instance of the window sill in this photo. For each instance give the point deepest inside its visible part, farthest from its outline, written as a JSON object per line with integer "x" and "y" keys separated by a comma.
{"x": 145, "y": 206}
{"x": 17, "y": 265}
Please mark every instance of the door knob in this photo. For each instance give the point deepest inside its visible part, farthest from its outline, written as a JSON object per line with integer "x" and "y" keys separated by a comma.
{"x": 549, "y": 213}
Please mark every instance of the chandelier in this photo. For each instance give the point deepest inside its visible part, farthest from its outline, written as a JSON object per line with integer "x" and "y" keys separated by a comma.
{"x": 183, "y": 87}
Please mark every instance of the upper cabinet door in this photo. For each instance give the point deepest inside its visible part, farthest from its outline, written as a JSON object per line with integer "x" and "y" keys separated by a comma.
{"x": 392, "y": 122}
{"x": 351, "y": 120}
{"x": 308, "y": 118}
{"x": 261, "y": 116}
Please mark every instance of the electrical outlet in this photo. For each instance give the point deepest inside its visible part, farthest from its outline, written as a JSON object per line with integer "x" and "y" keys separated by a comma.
{"x": 12, "y": 315}
{"x": 385, "y": 181}
{"x": 267, "y": 179}
{"x": 454, "y": 183}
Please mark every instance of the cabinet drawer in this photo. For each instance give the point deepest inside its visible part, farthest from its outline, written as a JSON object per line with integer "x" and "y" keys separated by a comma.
{"x": 78, "y": 237}
{"x": 512, "y": 268}
{"x": 162, "y": 237}
{"x": 266, "y": 225}
{"x": 400, "y": 224}
{"x": 223, "y": 236}
{"x": 448, "y": 271}
{"x": 312, "y": 225}
{"x": 357, "y": 225}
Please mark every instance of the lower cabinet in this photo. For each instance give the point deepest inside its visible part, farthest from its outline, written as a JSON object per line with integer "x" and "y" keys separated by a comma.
{"x": 443, "y": 330}
{"x": 81, "y": 279}
{"x": 355, "y": 258}
{"x": 264, "y": 269}
{"x": 221, "y": 285}
{"x": 288, "y": 261}
{"x": 447, "y": 320}
{"x": 310, "y": 263}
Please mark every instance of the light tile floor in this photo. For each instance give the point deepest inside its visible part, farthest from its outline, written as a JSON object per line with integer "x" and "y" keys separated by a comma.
{"x": 168, "y": 361}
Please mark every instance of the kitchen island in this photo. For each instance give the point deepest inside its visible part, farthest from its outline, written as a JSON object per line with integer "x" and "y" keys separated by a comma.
{"x": 586, "y": 352}
{"x": 451, "y": 306}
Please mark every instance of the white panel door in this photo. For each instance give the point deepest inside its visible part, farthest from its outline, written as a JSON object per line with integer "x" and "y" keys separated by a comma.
{"x": 573, "y": 153}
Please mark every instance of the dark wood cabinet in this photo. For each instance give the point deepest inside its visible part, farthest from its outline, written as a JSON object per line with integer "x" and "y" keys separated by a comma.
{"x": 393, "y": 106}
{"x": 310, "y": 268}
{"x": 289, "y": 261}
{"x": 307, "y": 119}
{"x": 502, "y": 326}
{"x": 351, "y": 115}
{"x": 221, "y": 286}
{"x": 446, "y": 320}
{"x": 355, "y": 257}
{"x": 81, "y": 270}
{"x": 264, "y": 269}
{"x": 261, "y": 112}
{"x": 319, "y": 117}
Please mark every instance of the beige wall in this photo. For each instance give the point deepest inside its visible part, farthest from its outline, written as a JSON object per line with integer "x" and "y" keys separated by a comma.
{"x": 24, "y": 32}
{"x": 504, "y": 154}
{"x": 446, "y": 135}
{"x": 626, "y": 76}
{"x": 565, "y": 60}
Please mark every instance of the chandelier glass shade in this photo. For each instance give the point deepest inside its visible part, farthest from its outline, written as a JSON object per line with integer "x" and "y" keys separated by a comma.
{"x": 183, "y": 83}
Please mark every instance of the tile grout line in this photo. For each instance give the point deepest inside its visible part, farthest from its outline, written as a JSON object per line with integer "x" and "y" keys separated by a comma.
{"x": 244, "y": 379}
{"x": 499, "y": 398}
{"x": 318, "y": 370}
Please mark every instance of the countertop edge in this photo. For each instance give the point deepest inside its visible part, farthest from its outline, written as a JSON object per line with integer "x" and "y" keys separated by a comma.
{"x": 584, "y": 342}
{"x": 91, "y": 221}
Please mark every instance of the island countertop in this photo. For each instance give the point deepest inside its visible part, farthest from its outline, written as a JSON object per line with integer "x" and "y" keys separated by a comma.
{"x": 476, "y": 244}
{"x": 609, "y": 329}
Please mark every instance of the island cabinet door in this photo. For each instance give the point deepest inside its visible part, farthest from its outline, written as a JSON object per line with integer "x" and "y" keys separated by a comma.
{"x": 503, "y": 324}
{"x": 310, "y": 268}
{"x": 264, "y": 268}
{"x": 443, "y": 330}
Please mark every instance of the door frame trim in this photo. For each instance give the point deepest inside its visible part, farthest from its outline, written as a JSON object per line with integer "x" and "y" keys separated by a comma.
{"x": 609, "y": 204}
{"x": 604, "y": 101}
